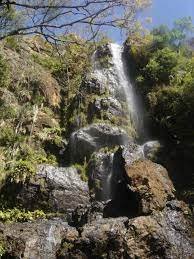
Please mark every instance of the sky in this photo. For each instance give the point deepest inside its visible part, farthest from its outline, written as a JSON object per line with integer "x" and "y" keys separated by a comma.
{"x": 162, "y": 12}
{"x": 166, "y": 11}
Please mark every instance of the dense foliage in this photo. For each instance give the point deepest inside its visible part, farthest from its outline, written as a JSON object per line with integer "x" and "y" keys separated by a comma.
{"x": 164, "y": 75}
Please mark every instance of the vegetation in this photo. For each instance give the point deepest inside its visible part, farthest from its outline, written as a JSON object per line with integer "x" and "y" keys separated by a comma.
{"x": 164, "y": 75}
{"x": 16, "y": 215}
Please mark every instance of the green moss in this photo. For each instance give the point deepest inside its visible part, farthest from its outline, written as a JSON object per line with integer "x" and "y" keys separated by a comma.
{"x": 17, "y": 215}
{"x": 82, "y": 170}
{"x": 2, "y": 248}
{"x": 66, "y": 246}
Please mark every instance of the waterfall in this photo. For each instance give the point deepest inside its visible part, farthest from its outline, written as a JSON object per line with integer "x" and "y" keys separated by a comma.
{"x": 125, "y": 85}
{"x": 115, "y": 76}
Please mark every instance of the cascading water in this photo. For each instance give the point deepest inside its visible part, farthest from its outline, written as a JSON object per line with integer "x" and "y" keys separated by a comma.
{"x": 120, "y": 87}
{"x": 115, "y": 77}
{"x": 125, "y": 84}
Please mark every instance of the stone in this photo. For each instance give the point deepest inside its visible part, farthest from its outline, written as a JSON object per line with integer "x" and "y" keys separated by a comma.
{"x": 138, "y": 186}
{"x": 165, "y": 234}
{"x": 91, "y": 85}
{"x": 36, "y": 240}
{"x": 106, "y": 108}
{"x": 151, "y": 185}
{"x": 94, "y": 137}
{"x": 99, "y": 172}
{"x": 55, "y": 189}
{"x": 152, "y": 149}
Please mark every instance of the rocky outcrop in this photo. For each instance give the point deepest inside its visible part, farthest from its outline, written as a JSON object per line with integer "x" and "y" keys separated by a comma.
{"x": 161, "y": 235}
{"x": 150, "y": 183}
{"x": 164, "y": 234}
{"x": 94, "y": 137}
{"x": 36, "y": 240}
{"x": 54, "y": 189}
{"x": 92, "y": 85}
{"x": 104, "y": 108}
{"x": 142, "y": 220}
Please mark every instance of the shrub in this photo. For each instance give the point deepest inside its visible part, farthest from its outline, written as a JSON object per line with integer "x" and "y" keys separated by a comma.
{"x": 17, "y": 215}
{"x": 22, "y": 170}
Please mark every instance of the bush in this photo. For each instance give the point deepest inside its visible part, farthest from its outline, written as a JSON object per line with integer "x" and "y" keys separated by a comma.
{"x": 17, "y": 215}
{"x": 22, "y": 170}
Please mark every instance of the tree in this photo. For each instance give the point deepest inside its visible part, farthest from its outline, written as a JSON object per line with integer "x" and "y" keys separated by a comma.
{"x": 52, "y": 18}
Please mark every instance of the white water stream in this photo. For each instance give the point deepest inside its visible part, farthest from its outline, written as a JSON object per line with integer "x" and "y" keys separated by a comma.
{"x": 116, "y": 77}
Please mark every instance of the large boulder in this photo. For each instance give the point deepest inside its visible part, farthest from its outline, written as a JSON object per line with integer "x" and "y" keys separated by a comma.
{"x": 54, "y": 189}
{"x": 164, "y": 234}
{"x": 151, "y": 185}
{"x": 138, "y": 186}
{"x": 94, "y": 137}
{"x": 35, "y": 240}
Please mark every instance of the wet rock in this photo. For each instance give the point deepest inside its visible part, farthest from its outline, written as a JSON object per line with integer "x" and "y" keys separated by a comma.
{"x": 99, "y": 172}
{"x": 105, "y": 108}
{"x": 164, "y": 234}
{"x": 138, "y": 186}
{"x": 89, "y": 139}
{"x": 92, "y": 85}
{"x": 152, "y": 149}
{"x": 54, "y": 189}
{"x": 103, "y": 51}
{"x": 36, "y": 240}
{"x": 86, "y": 214}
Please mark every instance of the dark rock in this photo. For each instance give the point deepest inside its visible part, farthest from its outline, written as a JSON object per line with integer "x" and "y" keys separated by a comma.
{"x": 105, "y": 108}
{"x": 99, "y": 171}
{"x": 92, "y": 85}
{"x": 138, "y": 186}
{"x": 54, "y": 189}
{"x": 86, "y": 214}
{"x": 164, "y": 234}
{"x": 36, "y": 240}
{"x": 89, "y": 139}
{"x": 103, "y": 51}
{"x": 152, "y": 150}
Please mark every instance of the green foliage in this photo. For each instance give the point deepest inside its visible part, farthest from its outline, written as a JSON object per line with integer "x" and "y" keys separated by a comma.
{"x": 17, "y": 215}
{"x": 8, "y": 136}
{"x": 12, "y": 43}
{"x": 2, "y": 248}
{"x": 4, "y": 72}
{"x": 166, "y": 79}
{"x": 159, "y": 67}
{"x": 82, "y": 170}
{"x": 22, "y": 170}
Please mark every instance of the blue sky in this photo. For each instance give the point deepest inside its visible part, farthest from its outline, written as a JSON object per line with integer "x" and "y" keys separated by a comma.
{"x": 162, "y": 12}
{"x": 166, "y": 11}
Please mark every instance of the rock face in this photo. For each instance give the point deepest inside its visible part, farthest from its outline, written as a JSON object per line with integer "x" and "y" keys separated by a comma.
{"x": 99, "y": 171}
{"x": 36, "y": 240}
{"x": 161, "y": 235}
{"x": 164, "y": 234}
{"x": 55, "y": 189}
{"x": 142, "y": 220}
{"x": 105, "y": 108}
{"x": 89, "y": 139}
{"x": 150, "y": 184}
{"x": 139, "y": 186}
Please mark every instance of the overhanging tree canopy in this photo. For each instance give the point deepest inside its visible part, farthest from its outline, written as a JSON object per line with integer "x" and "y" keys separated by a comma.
{"x": 52, "y": 18}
